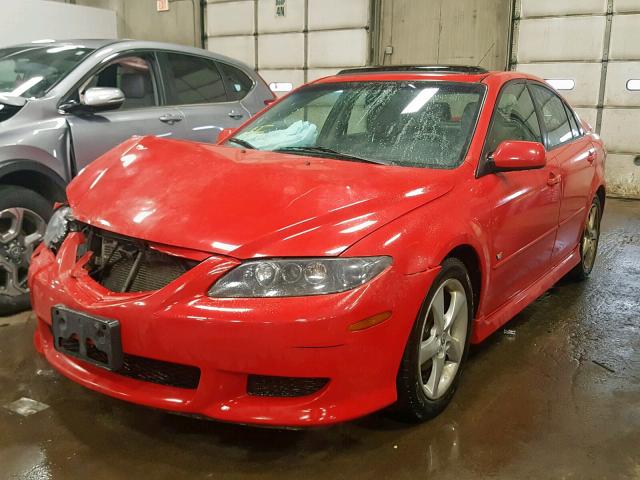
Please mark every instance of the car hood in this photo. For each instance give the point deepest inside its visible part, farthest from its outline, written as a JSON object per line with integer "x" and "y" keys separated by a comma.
{"x": 245, "y": 203}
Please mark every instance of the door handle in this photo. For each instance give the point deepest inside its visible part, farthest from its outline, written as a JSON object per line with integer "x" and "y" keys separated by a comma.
{"x": 235, "y": 115}
{"x": 171, "y": 118}
{"x": 591, "y": 156}
{"x": 554, "y": 178}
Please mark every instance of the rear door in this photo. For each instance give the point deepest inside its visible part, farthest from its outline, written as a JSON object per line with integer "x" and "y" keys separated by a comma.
{"x": 201, "y": 90}
{"x": 524, "y": 204}
{"x": 136, "y": 73}
{"x": 574, "y": 155}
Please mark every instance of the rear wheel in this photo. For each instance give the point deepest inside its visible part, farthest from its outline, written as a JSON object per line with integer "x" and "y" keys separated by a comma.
{"x": 589, "y": 241}
{"x": 23, "y": 217}
{"x": 437, "y": 347}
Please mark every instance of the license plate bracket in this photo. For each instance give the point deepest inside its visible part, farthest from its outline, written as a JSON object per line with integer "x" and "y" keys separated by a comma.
{"x": 91, "y": 339}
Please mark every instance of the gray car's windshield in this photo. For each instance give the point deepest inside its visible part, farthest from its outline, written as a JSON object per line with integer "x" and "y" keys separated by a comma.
{"x": 30, "y": 71}
{"x": 407, "y": 123}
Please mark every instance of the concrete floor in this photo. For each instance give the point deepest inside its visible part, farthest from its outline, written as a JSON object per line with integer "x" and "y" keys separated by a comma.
{"x": 560, "y": 399}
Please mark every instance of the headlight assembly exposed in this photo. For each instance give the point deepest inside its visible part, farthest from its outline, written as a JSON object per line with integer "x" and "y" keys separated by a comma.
{"x": 297, "y": 277}
{"x": 58, "y": 228}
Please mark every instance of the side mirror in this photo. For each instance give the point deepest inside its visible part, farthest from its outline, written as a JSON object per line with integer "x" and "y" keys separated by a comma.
{"x": 512, "y": 155}
{"x": 102, "y": 98}
{"x": 224, "y": 135}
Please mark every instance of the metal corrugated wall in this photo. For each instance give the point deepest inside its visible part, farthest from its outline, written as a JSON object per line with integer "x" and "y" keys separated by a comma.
{"x": 594, "y": 45}
{"x": 313, "y": 38}
{"x": 469, "y": 32}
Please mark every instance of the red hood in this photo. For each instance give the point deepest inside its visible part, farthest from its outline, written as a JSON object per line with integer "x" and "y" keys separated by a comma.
{"x": 245, "y": 203}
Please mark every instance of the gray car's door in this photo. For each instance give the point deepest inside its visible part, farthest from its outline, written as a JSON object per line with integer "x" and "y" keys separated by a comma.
{"x": 137, "y": 75}
{"x": 196, "y": 86}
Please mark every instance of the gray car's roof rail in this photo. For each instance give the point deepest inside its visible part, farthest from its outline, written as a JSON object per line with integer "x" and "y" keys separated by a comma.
{"x": 87, "y": 42}
{"x": 464, "y": 69}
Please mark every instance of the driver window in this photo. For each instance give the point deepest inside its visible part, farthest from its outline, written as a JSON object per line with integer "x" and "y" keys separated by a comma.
{"x": 514, "y": 118}
{"x": 132, "y": 75}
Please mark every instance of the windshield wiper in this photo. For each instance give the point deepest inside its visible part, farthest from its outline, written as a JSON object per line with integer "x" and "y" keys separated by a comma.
{"x": 242, "y": 143}
{"x": 327, "y": 151}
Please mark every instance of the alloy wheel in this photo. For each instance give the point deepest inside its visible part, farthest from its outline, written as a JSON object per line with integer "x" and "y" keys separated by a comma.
{"x": 21, "y": 230}
{"x": 443, "y": 338}
{"x": 590, "y": 238}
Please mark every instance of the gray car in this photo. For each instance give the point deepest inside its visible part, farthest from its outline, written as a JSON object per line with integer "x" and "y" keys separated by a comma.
{"x": 62, "y": 104}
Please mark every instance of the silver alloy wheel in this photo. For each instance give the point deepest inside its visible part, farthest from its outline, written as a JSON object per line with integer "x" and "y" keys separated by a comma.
{"x": 21, "y": 230}
{"x": 443, "y": 338}
{"x": 590, "y": 238}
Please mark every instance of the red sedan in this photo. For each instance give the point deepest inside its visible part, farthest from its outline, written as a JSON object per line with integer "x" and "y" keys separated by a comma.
{"x": 335, "y": 255}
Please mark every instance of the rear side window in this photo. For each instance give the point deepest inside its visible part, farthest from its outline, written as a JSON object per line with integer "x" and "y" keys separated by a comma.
{"x": 554, "y": 116}
{"x": 514, "y": 118}
{"x": 572, "y": 121}
{"x": 192, "y": 80}
{"x": 238, "y": 83}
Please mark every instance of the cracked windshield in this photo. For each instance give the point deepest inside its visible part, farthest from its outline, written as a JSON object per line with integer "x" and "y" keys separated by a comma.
{"x": 415, "y": 124}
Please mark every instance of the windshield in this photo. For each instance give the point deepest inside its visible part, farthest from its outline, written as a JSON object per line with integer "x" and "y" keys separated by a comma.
{"x": 406, "y": 123}
{"x": 30, "y": 71}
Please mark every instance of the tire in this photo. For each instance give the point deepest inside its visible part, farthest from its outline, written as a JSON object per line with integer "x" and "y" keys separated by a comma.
{"x": 420, "y": 396}
{"x": 589, "y": 241}
{"x": 23, "y": 217}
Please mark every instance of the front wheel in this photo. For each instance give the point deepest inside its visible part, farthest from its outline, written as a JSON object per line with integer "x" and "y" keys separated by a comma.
{"x": 437, "y": 347}
{"x": 23, "y": 217}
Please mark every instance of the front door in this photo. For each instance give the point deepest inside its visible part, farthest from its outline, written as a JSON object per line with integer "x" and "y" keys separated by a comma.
{"x": 524, "y": 204}
{"x": 140, "y": 114}
{"x": 574, "y": 154}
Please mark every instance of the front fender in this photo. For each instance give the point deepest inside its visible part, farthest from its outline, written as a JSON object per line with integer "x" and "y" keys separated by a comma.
{"x": 421, "y": 239}
{"x": 21, "y": 165}
{"x": 11, "y": 154}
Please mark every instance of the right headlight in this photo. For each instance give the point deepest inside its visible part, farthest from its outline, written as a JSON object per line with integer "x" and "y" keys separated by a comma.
{"x": 58, "y": 227}
{"x": 297, "y": 277}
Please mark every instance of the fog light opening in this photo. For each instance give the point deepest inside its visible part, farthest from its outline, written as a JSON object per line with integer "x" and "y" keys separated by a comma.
{"x": 369, "y": 322}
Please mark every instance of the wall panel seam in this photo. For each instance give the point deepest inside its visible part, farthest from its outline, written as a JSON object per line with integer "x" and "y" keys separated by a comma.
{"x": 605, "y": 60}
{"x": 305, "y": 66}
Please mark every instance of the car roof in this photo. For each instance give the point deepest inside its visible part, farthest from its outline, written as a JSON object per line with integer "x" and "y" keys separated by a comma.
{"x": 124, "y": 44}
{"x": 89, "y": 43}
{"x": 448, "y": 73}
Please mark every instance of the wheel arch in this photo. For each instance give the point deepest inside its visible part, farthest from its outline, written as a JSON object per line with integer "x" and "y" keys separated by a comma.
{"x": 602, "y": 195}
{"x": 470, "y": 257}
{"x": 33, "y": 176}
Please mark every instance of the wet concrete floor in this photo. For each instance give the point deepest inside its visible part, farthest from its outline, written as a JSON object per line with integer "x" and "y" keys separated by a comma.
{"x": 560, "y": 399}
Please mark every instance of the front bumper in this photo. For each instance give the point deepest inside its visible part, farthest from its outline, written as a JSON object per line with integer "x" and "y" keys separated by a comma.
{"x": 230, "y": 339}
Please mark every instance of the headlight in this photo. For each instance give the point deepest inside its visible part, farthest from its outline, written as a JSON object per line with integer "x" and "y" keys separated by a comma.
{"x": 297, "y": 277}
{"x": 58, "y": 228}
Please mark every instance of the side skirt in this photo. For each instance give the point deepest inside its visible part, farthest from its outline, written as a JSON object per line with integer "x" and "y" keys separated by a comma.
{"x": 485, "y": 326}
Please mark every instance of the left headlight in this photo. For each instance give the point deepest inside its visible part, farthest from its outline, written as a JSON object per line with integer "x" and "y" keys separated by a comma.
{"x": 297, "y": 277}
{"x": 58, "y": 227}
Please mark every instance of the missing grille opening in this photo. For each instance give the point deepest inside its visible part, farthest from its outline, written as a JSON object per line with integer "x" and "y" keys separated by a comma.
{"x": 123, "y": 264}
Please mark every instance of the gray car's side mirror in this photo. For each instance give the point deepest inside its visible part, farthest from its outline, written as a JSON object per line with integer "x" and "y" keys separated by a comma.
{"x": 102, "y": 98}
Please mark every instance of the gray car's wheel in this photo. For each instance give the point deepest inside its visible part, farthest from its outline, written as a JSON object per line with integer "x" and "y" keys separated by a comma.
{"x": 23, "y": 217}
{"x": 437, "y": 347}
{"x": 589, "y": 241}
